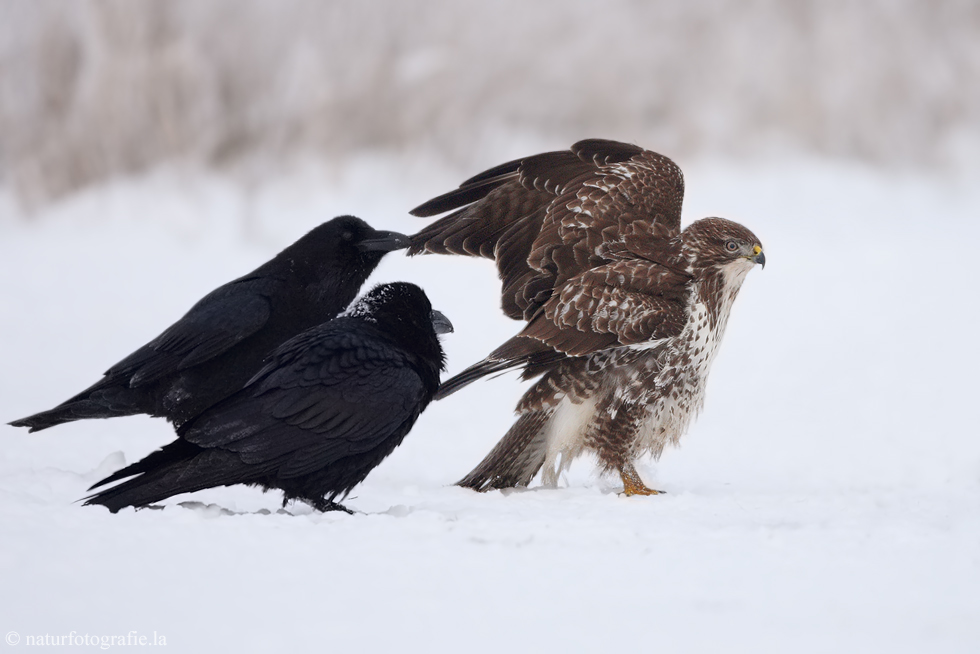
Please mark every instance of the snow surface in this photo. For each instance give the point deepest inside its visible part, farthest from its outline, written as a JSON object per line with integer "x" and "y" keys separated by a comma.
{"x": 828, "y": 499}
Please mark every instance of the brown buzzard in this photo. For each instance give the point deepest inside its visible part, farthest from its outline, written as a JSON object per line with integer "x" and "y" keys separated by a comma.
{"x": 624, "y": 310}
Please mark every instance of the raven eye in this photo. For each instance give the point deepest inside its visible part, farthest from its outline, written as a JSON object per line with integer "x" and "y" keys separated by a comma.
{"x": 347, "y": 236}
{"x": 731, "y": 246}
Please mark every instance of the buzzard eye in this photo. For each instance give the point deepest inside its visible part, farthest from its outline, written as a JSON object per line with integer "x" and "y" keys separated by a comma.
{"x": 731, "y": 246}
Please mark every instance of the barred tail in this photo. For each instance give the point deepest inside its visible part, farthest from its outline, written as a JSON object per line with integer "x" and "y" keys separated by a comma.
{"x": 516, "y": 458}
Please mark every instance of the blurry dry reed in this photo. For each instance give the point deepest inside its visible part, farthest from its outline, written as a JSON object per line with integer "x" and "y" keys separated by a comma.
{"x": 90, "y": 89}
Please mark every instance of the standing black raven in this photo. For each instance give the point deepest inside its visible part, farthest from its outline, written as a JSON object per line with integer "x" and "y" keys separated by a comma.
{"x": 220, "y": 343}
{"x": 328, "y": 406}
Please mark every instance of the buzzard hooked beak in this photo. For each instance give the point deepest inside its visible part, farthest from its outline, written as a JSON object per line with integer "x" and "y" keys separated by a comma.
{"x": 758, "y": 257}
{"x": 440, "y": 323}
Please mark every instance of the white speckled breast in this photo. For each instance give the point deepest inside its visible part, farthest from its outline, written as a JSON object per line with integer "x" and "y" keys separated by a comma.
{"x": 682, "y": 378}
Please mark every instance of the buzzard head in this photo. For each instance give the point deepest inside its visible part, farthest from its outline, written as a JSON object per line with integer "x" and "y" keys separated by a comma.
{"x": 719, "y": 243}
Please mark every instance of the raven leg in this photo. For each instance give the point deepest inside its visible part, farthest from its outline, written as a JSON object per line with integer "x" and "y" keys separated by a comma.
{"x": 632, "y": 484}
{"x": 323, "y": 505}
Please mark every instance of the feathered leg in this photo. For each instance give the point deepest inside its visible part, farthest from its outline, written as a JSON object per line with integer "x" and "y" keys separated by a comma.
{"x": 613, "y": 436}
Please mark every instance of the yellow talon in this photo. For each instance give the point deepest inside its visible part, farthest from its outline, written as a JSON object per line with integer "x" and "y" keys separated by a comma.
{"x": 632, "y": 484}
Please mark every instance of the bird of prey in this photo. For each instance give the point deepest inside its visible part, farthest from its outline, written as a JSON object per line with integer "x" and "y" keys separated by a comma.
{"x": 624, "y": 309}
{"x": 325, "y": 409}
{"x": 220, "y": 343}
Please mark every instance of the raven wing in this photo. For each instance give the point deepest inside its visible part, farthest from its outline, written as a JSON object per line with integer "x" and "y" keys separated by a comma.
{"x": 329, "y": 393}
{"x": 220, "y": 320}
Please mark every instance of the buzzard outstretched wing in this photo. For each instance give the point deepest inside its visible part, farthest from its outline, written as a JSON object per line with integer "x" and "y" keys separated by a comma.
{"x": 548, "y": 218}
{"x": 624, "y": 311}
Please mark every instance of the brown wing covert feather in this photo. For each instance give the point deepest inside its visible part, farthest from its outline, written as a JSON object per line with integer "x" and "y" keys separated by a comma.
{"x": 623, "y": 303}
{"x": 547, "y": 218}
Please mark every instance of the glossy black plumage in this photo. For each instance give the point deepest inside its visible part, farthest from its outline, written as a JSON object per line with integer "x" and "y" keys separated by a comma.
{"x": 326, "y": 409}
{"x": 215, "y": 348}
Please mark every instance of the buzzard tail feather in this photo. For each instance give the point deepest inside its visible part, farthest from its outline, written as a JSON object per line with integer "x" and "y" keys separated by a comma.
{"x": 515, "y": 459}
{"x": 471, "y": 374}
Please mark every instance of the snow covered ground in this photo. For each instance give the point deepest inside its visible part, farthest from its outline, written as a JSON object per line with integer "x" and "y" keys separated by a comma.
{"x": 828, "y": 499}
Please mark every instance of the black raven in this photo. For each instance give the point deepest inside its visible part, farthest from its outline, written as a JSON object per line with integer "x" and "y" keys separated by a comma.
{"x": 220, "y": 343}
{"x": 328, "y": 406}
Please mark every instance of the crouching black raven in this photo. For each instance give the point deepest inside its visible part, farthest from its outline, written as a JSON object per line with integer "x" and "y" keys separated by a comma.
{"x": 220, "y": 343}
{"x": 328, "y": 406}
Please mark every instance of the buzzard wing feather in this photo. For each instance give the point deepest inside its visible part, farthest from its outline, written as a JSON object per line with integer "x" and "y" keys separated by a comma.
{"x": 545, "y": 219}
{"x": 622, "y": 303}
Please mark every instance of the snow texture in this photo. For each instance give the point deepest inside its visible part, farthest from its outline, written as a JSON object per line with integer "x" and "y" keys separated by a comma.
{"x": 365, "y": 306}
{"x": 827, "y": 499}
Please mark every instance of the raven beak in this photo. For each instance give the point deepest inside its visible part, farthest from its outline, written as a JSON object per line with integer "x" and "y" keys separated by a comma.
{"x": 759, "y": 258}
{"x": 440, "y": 323}
{"x": 384, "y": 242}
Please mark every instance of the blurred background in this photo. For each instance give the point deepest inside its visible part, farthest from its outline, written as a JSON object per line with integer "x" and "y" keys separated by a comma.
{"x": 93, "y": 89}
{"x": 827, "y": 500}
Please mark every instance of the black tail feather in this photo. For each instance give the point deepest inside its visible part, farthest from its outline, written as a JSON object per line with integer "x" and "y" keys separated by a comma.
{"x": 68, "y": 413}
{"x": 40, "y": 421}
{"x": 102, "y": 400}
{"x": 180, "y": 467}
{"x": 179, "y": 450}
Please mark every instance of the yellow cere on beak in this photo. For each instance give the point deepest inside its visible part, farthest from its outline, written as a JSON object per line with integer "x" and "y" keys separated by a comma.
{"x": 756, "y": 250}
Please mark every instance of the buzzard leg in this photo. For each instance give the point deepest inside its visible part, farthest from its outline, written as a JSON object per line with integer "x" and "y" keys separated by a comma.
{"x": 632, "y": 484}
